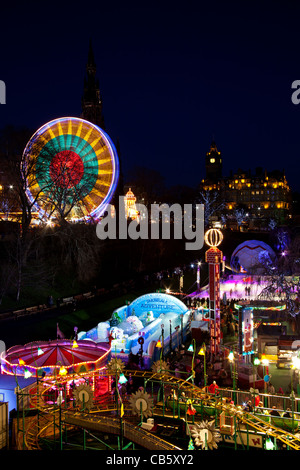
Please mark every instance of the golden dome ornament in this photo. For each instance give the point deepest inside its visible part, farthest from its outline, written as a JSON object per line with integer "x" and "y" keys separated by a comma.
{"x": 213, "y": 237}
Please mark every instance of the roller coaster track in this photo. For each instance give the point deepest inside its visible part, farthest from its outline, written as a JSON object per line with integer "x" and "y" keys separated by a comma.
{"x": 289, "y": 439}
{"x": 96, "y": 419}
{"x": 113, "y": 425}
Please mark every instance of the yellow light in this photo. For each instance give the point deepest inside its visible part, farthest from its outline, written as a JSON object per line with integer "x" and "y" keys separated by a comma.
{"x": 158, "y": 344}
{"x": 75, "y": 345}
{"x": 231, "y": 356}
{"x": 62, "y": 371}
{"x": 201, "y": 352}
{"x": 21, "y": 362}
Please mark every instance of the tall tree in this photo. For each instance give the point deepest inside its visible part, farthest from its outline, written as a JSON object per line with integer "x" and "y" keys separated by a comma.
{"x": 212, "y": 205}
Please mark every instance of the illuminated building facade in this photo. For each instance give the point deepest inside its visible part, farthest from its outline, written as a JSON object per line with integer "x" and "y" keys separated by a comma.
{"x": 263, "y": 195}
{"x": 130, "y": 207}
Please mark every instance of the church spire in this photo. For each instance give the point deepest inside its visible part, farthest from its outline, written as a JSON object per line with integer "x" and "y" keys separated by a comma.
{"x": 91, "y": 102}
{"x": 91, "y": 60}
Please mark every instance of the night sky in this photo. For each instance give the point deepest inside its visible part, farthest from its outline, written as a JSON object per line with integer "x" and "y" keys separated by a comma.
{"x": 173, "y": 76}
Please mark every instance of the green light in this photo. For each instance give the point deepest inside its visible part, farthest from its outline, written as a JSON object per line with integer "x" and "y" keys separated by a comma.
{"x": 122, "y": 379}
{"x": 269, "y": 444}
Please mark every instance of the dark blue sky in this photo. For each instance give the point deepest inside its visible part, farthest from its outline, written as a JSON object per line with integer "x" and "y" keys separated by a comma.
{"x": 172, "y": 76}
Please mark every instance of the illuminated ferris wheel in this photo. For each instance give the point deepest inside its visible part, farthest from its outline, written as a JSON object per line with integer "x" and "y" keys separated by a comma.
{"x": 71, "y": 168}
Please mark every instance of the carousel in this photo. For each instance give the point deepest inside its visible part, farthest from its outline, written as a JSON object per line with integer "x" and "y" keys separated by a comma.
{"x": 61, "y": 362}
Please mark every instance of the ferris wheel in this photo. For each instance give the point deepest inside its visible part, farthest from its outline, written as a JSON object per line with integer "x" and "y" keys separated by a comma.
{"x": 71, "y": 168}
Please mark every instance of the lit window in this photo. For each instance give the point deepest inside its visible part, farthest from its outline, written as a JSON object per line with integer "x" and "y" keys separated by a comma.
{"x": 212, "y": 160}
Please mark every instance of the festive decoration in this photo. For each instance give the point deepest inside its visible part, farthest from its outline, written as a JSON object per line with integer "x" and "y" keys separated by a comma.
{"x": 190, "y": 410}
{"x": 27, "y": 374}
{"x": 135, "y": 317}
{"x": 141, "y": 403}
{"x": 83, "y": 395}
{"x": 205, "y": 435}
{"x": 130, "y": 208}
{"x": 252, "y": 256}
{"x": 191, "y": 445}
{"x": 71, "y": 166}
{"x": 213, "y": 237}
{"x": 254, "y": 307}
{"x": 160, "y": 366}
{"x": 115, "y": 367}
{"x": 122, "y": 379}
{"x": 63, "y": 371}
{"x": 214, "y": 257}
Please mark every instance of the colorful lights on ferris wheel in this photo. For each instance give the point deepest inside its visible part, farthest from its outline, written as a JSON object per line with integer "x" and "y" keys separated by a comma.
{"x": 70, "y": 162}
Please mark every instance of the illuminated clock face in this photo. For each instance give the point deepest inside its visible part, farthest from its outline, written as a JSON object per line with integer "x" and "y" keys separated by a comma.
{"x": 212, "y": 160}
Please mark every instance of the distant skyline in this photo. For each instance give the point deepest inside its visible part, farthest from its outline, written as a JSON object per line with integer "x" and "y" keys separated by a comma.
{"x": 172, "y": 78}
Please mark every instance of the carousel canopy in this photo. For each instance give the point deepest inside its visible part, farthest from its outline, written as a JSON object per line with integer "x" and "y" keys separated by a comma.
{"x": 46, "y": 356}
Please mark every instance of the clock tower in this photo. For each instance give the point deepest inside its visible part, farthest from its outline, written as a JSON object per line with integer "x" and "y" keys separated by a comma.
{"x": 213, "y": 163}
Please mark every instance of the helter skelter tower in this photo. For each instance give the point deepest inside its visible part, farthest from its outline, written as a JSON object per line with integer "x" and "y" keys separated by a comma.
{"x": 214, "y": 258}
